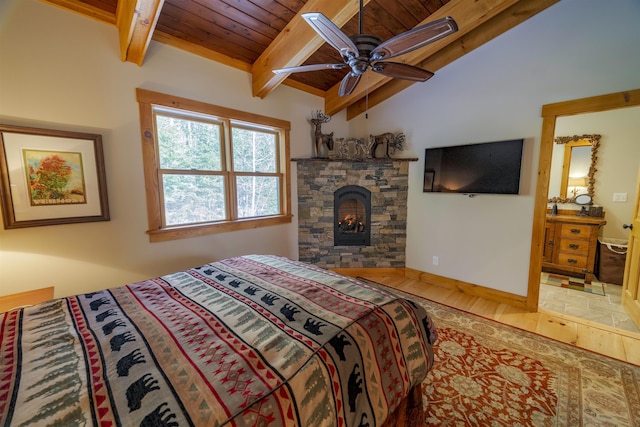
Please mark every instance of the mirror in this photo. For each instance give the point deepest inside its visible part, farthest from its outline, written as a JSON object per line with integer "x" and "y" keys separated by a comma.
{"x": 583, "y": 199}
{"x": 576, "y": 175}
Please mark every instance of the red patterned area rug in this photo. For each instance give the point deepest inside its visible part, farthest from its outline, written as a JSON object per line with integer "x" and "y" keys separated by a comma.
{"x": 490, "y": 374}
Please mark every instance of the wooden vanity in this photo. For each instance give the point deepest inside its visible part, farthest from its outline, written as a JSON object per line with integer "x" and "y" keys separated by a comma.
{"x": 570, "y": 244}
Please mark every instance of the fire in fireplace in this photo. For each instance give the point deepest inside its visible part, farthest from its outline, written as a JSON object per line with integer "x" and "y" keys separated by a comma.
{"x": 352, "y": 216}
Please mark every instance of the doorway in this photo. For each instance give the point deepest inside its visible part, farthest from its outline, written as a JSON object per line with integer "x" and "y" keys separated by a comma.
{"x": 551, "y": 114}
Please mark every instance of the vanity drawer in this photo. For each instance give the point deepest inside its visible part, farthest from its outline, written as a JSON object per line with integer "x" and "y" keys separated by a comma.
{"x": 575, "y": 231}
{"x": 573, "y": 246}
{"x": 572, "y": 260}
{"x": 570, "y": 243}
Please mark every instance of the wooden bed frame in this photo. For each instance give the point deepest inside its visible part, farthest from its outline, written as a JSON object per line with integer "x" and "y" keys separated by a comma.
{"x": 24, "y": 299}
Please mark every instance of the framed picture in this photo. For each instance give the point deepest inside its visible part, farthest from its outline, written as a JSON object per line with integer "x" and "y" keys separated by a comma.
{"x": 51, "y": 177}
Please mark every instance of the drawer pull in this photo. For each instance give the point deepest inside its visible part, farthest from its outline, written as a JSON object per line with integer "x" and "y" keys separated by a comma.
{"x": 575, "y": 230}
{"x": 574, "y": 245}
{"x": 572, "y": 261}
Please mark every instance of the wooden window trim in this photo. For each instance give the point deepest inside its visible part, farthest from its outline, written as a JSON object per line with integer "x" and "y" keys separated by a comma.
{"x": 146, "y": 101}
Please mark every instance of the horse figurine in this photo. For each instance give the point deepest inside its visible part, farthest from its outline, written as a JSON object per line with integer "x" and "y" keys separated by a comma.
{"x": 391, "y": 141}
{"x": 317, "y": 119}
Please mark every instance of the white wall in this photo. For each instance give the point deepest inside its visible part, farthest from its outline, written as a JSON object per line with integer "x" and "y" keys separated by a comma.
{"x": 574, "y": 49}
{"x": 59, "y": 70}
{"x": 618, "y": 161}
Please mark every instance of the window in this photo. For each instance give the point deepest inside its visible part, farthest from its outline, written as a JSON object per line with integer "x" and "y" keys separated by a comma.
{"x": 211, "y": 169}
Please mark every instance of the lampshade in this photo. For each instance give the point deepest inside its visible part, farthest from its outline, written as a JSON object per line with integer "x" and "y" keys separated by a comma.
{"x": 577, "y": 181}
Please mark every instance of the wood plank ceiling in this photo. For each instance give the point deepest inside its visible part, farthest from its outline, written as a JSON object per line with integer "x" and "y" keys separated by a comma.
{"x": 258, "y": 36}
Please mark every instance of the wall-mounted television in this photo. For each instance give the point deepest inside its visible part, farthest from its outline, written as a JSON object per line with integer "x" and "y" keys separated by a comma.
{"x": 489, "y": 168}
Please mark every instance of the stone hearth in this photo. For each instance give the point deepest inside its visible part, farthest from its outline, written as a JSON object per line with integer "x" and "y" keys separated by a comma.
{"x": 386, "y": 179}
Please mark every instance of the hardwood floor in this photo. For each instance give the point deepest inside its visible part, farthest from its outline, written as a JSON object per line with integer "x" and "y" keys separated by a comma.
{"x": 602, "y": 339}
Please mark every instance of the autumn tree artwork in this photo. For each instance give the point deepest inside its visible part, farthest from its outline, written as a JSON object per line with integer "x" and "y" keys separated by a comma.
{"x": 54, "y": 177}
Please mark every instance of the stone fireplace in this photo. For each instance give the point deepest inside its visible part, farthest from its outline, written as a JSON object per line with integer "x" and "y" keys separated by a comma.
{"x": 352, "y": 214}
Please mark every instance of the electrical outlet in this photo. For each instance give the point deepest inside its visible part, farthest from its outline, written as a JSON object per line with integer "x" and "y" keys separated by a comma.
{"x": 434, "y": 260}
{"x": 619, "y": 197}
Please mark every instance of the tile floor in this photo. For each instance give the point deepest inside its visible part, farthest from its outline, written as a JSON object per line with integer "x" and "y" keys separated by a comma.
{"x": 605, "y": 309}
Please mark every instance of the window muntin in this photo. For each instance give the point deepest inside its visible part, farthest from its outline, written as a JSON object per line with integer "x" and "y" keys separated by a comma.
{"x": 211, "y": 169}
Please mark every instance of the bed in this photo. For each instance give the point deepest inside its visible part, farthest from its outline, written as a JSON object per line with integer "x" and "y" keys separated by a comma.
{"x": 247, "y": 341}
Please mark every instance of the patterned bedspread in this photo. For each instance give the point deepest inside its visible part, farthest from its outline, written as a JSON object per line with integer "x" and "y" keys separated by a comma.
{"x": 247, "y": 341}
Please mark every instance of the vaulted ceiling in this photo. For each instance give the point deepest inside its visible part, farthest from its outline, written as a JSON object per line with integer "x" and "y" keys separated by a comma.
{"x": 259, "y": 36}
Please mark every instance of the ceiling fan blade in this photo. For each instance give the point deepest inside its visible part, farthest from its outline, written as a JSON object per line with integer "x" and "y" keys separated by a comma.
{"x": 331, "y": 34}
{"x": 402, "y": 71}
{"x": 349, "y": 83}
{"x": 311, "y": 67}
{"x": 414, "y": 39}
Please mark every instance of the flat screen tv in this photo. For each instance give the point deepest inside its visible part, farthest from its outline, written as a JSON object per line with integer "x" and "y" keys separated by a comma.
{"x": 489, "y": 168}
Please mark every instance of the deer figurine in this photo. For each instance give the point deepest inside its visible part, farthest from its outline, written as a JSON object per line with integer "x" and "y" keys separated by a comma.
{"x": 317, "y": 119}
{"x": 391, "y": 141}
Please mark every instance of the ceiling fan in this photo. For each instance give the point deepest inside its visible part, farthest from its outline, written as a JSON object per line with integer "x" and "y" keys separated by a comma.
{"x": 364, "y": 51}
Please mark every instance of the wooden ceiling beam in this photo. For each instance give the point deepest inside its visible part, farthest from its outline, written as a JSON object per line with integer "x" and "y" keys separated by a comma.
{"x": 502, "y": 22}
{"x": 136, "y": 21}
{"x": 297, "y": 42}
{"x": 468, "y": 14}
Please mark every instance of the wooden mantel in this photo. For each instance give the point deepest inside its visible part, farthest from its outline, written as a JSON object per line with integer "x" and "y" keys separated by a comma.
{"x": 369, "y": 160}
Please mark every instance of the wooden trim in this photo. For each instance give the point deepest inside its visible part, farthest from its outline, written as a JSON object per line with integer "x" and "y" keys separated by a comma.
{"x": 369, "y": 160}
{"x": 285, "y": 169}
{"x": 550, "y": 113}
{"x": 27, "y": 298}
{"x": 467, "y": 288}
{"x": 174, "y": 233}
{"x": 149, "y": 165}
{"x": 443, "y": 282}
{"x": 540, "y": 215}
{"x": 592, "y": 104}
{"x": 358, "y": 272}
{"x": 171, "y": 101}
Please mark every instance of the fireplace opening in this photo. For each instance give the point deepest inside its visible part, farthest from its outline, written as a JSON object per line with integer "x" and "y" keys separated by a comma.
{"x": 352, "y": 216}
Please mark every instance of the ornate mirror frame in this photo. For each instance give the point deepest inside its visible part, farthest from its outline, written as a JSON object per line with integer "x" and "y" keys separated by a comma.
{"x": 577, "y": 141}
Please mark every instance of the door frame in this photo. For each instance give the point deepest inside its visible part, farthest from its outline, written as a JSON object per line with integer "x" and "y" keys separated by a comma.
{"x": 550, "y": 113}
